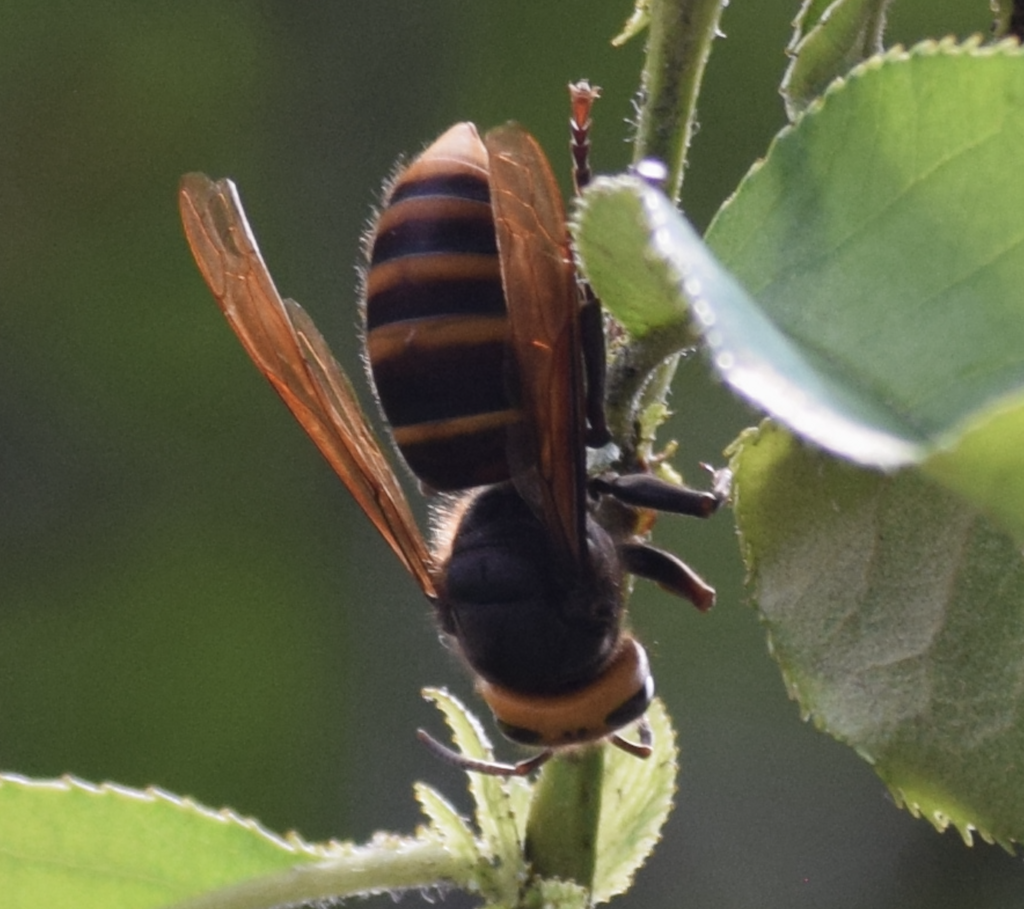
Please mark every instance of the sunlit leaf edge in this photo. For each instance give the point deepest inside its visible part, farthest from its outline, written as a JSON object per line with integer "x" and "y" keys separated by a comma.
{"x": 746, "y": 349}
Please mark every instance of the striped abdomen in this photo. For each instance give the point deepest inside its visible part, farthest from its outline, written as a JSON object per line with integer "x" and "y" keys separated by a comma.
{"x": 437, "y": 331}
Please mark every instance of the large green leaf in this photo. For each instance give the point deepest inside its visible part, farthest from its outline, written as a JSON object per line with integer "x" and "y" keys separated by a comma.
{"x": 69, "y": 843}
{"x": 897, "y": 615}
{"x": 882, "y": 238}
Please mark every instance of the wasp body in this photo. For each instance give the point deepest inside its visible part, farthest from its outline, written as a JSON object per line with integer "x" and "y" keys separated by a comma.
{"x": 472, "y": 321}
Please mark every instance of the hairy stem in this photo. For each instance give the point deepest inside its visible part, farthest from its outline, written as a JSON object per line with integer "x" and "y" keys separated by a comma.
{"x": 678, "y": 44}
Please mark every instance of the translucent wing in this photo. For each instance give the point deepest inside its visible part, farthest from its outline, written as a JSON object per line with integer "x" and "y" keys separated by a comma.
{"x": 543, "y": 307}
{"x": 289, "y": 350}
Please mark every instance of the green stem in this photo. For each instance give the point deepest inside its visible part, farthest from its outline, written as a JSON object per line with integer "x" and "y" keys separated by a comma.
{"x": 561, "y": 833}
{"x": 391, "y": 866}
{"x": 678, "y": 45}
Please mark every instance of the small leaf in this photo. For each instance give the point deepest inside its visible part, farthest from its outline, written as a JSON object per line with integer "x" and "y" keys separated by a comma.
{"x": 494, "y": 804}
{"x": 830, "y": 38}
{"x": 808, "y": 16}
{"x": 448, "y": 825}
{"x": 897, "y": 615}
{"x": 636, "y": 799}
{"x": 637, "y": 22}
{"x": 615, "y": 229}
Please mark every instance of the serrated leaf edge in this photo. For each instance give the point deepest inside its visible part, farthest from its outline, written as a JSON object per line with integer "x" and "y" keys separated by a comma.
{"x": 290, "y": 841}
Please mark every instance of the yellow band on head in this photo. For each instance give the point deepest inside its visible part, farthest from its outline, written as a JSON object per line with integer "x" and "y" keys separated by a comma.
{"x": 585, "y": 715}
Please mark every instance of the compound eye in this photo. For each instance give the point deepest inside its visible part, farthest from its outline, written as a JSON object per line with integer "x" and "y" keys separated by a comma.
{"x": 518, "y": 734}
{"x": 634, "y": 708}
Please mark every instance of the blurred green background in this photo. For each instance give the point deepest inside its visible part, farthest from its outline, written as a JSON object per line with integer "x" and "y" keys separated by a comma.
{"x": 188, "y": 597}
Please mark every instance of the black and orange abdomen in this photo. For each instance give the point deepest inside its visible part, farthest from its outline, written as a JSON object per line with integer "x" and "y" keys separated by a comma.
{"x": 437, "y": 329}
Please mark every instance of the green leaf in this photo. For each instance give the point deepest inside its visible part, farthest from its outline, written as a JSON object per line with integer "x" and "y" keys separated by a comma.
{"x": 830, "y": 37}
{"x": 448, "y": 825}
{"x": 615, "y": 226}
{"x": 810, "y": 14}
{"x": 638, "y": 20}
{"x": 636, "y": 799}
{"x": 897, "y": 615}
{"x": 615, "y": 249}
{"x": 495, "y": 804}
{"x": 68, "y": 843}
{"x": 882, "y": 239}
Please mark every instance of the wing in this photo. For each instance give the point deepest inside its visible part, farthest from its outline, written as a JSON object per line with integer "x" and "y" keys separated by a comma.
{"x": 287, "y": 348}
{"x": 543, "y": 308}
